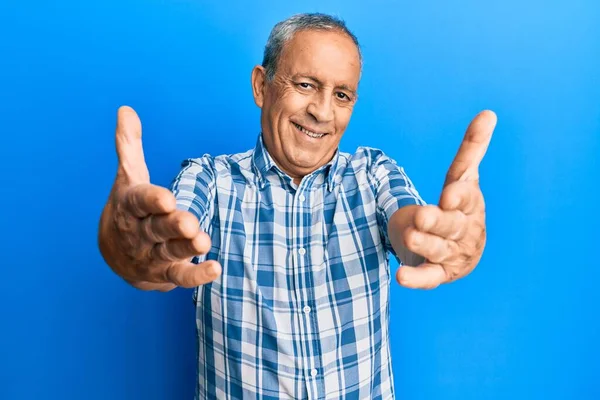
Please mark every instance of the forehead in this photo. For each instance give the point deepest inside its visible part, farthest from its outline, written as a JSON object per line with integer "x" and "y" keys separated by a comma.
{"x": 330, "y": 56}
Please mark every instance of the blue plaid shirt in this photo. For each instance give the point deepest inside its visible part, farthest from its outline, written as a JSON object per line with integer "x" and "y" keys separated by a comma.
{"x": 301, "y": 309}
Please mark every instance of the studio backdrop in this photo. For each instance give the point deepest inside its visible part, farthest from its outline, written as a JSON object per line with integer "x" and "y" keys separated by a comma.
{"x": 524, "y": 325}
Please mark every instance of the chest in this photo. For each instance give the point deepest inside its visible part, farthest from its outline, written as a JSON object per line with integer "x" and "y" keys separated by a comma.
{"x": 275, "y": 239}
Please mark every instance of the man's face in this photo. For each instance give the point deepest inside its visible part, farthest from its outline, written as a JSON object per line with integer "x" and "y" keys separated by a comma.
{"x": 307, "y": 106}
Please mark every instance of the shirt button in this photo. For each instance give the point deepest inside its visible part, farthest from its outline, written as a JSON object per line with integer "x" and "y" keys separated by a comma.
{"x": 313, "y": 373}
{"x": 306, "y": 309}
{"x": 301, "y": 251}
{"x": 302, "y": 198}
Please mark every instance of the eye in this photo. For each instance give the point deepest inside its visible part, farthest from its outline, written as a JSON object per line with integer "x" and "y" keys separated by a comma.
{"x": 305, "y": 85}
{"x": 343, "y": 96}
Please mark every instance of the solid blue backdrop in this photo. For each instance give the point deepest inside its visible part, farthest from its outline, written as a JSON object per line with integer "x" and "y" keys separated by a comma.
{"x": 524, "y": 325}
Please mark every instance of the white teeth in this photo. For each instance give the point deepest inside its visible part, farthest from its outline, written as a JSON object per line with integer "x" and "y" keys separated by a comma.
{"x": 309, "y": 133}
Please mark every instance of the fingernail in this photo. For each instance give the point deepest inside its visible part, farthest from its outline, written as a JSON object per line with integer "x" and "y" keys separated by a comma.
{"x": 214, "y": 269}
{"x": 428, "y": 222}
{"x": 417, "y": 238}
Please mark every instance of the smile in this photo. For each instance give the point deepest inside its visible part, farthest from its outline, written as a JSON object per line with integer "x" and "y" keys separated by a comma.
{"x": 311, "y": 134}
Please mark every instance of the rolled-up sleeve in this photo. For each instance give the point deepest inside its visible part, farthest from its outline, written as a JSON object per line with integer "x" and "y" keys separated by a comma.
{"x": 194, "y": 189}
{"x": 394, "y": 190}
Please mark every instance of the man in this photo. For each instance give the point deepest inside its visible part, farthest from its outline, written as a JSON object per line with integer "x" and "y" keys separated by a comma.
{"x": 287, "y": 244}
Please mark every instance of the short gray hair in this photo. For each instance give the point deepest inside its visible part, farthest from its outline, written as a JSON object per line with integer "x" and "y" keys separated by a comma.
{"x": 284, "y": 31}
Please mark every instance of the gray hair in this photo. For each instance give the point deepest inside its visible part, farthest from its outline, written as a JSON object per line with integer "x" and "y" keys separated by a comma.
{"x": 284, "y": 31}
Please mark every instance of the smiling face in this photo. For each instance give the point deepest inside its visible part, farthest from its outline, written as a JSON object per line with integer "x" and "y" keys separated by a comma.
{"x": 307, "y": 105}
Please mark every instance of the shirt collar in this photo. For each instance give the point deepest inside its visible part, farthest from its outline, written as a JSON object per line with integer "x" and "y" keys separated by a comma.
{"x": 263, "y": 163}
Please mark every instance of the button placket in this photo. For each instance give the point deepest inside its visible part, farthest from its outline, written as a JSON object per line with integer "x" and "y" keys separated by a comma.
{"x": 305, "y": 291}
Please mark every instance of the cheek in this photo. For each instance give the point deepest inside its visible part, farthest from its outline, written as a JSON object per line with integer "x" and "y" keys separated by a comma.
{"x": 342, "y": 118}
{"x": 279, "y": 101}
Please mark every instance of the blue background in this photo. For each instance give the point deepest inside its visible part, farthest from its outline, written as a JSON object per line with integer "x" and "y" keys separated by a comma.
{"x": 524, "y": 325}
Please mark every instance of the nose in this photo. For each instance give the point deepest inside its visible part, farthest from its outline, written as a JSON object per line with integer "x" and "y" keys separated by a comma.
{"x": 321, "y": 107}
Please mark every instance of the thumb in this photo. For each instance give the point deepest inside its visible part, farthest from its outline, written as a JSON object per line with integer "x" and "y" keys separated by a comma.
{"x": 465, "y": 165}
{"x": 132, "y": 165}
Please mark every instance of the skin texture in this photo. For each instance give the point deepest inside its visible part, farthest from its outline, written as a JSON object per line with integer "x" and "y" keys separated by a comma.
{"x": 449, "y": 236}
{"x": 315, "y": 86}
{"x": 147, "y": 242}
{"x": 141, "y": 236}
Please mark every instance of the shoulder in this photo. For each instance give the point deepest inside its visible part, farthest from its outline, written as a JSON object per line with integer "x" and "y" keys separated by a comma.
{"x": 224, "y": 165}
{"x": 364, "y": 159}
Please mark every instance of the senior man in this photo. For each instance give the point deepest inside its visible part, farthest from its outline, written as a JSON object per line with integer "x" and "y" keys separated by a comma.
{"x": 287, "y": 244}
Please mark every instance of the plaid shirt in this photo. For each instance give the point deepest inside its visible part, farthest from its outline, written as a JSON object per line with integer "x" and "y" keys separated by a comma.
{"x": 301, "y": 309}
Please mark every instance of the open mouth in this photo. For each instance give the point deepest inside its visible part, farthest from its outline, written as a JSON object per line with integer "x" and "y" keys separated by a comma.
{"x": 308, "y": 133}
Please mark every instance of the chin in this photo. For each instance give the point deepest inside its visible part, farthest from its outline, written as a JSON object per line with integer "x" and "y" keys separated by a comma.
{"x": 306, "y": 159}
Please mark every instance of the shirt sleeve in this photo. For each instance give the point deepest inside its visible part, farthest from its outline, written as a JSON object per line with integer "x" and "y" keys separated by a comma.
{"x": 394, "y": 190}
{"x": 194, "y": 189}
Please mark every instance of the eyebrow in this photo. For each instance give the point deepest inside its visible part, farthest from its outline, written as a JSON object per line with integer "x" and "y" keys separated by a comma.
{"x": 313, "y": 78}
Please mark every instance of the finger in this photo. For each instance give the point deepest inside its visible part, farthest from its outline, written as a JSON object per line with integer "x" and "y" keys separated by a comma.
{"x": 146, "y": 199}
{"x": 143, "y": 285}
{"x": 465, "y": 165}
{"x": 189, "y": 275}
{"x": 129, "y": 146}
{"x": 424, "y": 276}
{"x": 451, "y": 225}
{"x": 434, "y": 248}
{"x": 182, "y": 249}
{"x": 462, "y": 196}
{"x": 178, "y": 224}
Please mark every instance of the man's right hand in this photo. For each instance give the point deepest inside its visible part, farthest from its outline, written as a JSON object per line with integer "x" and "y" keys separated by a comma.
{"x": 142, "y": 236}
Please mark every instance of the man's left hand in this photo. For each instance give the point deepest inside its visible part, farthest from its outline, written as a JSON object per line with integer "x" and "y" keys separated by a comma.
{"x": 452, "y": 236}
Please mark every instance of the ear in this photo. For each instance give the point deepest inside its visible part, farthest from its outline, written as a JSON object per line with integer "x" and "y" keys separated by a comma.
{"x": 258, "y": 85}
